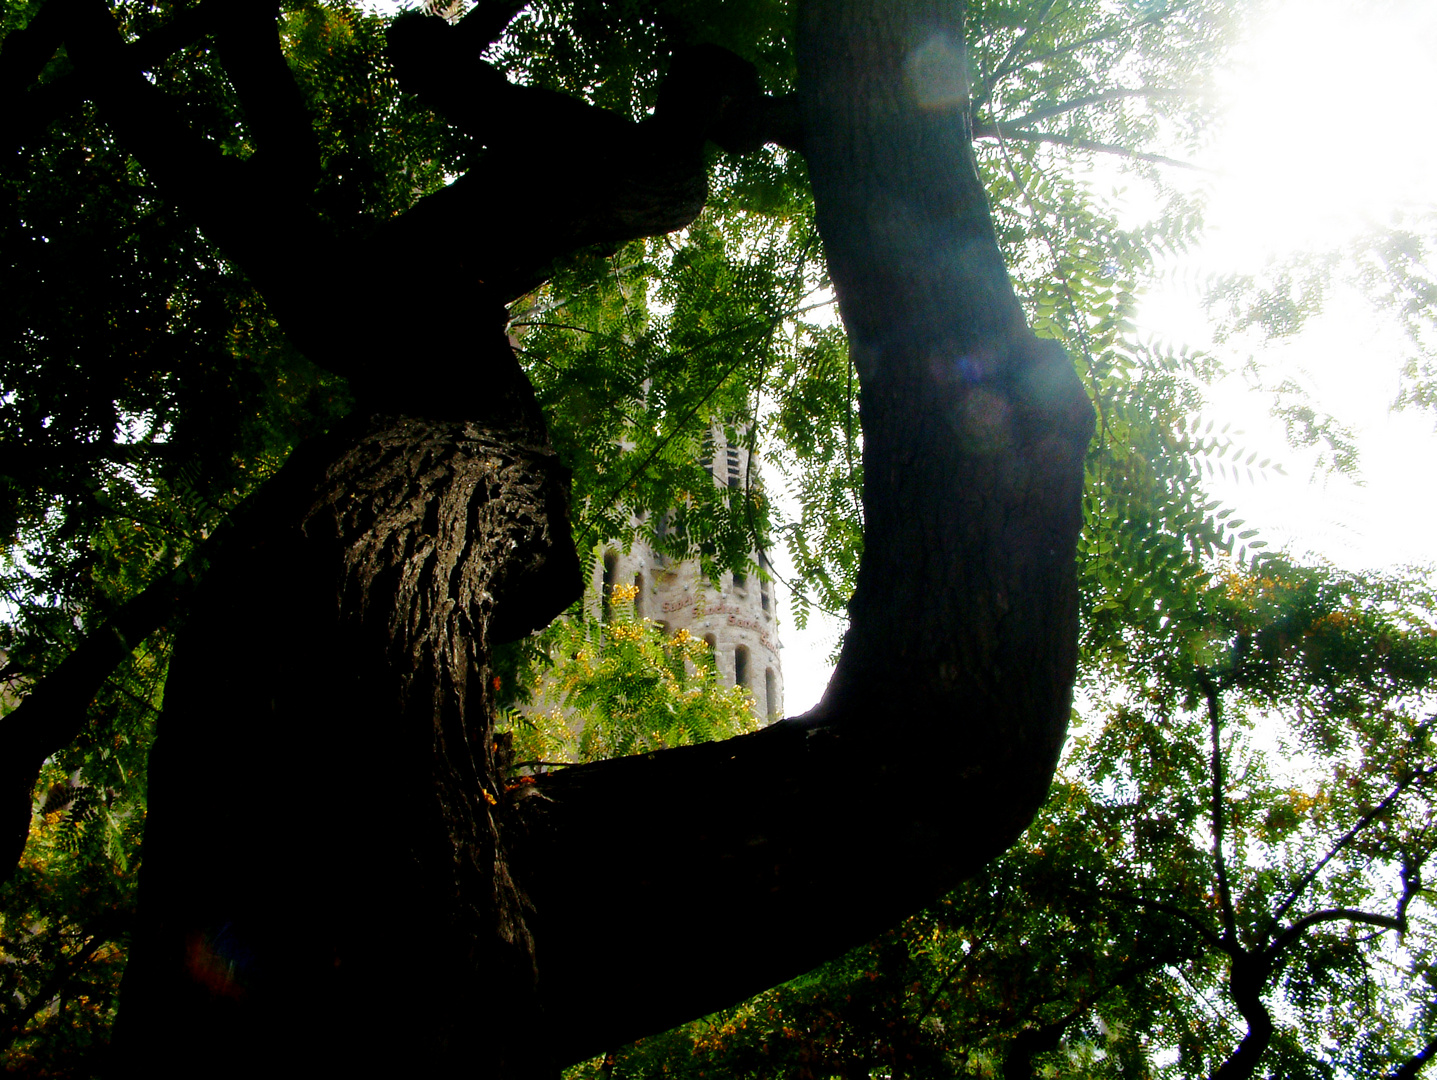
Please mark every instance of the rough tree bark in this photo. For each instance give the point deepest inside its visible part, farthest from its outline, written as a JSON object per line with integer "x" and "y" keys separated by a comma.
{"x": 335, "y": 877}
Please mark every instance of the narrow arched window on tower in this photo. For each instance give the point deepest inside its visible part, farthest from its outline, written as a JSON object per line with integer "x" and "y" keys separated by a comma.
{"x": 763, "y": 593}
{"x": 639, "y": 595}
{"x": 740, "y": 665}
{"x": 606, "y": 590}
{"x": 770, "y": 694}
{"x": 711, "y": 642}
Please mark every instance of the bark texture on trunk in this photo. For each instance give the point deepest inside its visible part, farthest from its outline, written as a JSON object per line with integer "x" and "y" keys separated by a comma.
{"x": 326, "y": 885}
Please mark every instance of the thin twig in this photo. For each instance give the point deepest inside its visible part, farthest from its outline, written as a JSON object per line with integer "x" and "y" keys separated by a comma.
{"x": 1092, "y": 99}
{"x": 1016, "y": 47}
{"x": 1092, "y": 39}
{"x": 1004, "y": 131}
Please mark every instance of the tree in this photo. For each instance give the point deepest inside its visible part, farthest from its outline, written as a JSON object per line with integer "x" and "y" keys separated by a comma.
{"x": 385, "y": 559}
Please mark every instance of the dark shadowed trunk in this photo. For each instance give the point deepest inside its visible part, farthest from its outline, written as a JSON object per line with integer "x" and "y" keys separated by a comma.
{"x": 326, "y": 883}
{"x": 1250, "y": 971}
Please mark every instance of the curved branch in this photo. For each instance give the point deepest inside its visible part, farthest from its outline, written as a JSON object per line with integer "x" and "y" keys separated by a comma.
{"x": 1352, "y": 915}
{"x": 1347, "y": 837}
{"x": 1246, "y": 981}
{"x": 815, "y": 833}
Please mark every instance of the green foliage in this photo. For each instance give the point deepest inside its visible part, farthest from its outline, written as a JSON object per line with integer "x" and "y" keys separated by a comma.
{"x": 587, "y": 689}
{"x": 1389, "y": 267}
{"x": 65, "y": 916}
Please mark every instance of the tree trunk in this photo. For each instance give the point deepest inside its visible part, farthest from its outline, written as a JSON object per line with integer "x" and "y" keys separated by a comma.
{"x": 326, "y": 887}
{"x": 1249, "y": 975}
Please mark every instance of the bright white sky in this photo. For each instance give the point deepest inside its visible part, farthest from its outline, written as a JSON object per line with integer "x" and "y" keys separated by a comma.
{"x": 1328, "y": 127}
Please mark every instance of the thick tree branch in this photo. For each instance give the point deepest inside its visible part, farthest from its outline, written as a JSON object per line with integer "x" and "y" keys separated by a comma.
{"x": 637, "y": 179}
{"x": 709, "y": 93}
{"x": 250, "y": 210}
{"x": 255, "y": 225}
{"x": 27, "y": 110}
{"x": 1415, "y": 1064}
{"x": 25, "y": 52}
{"x": 249, "y": 46}
{"x": 1246, "y": 981}
{"x": 963, "y": 626}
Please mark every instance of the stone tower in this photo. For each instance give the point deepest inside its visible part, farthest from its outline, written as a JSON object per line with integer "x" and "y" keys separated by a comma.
{"x": 738, "y": 620}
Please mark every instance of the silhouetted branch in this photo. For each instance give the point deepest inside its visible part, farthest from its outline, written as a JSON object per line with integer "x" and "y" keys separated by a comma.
{"x": 1413, "y": 1065}
{"x": 249, "y": 46}
{"x": 1347, "y": 837}
{"x": 53, "y": 713}
{"x": 1352, "y": 915}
